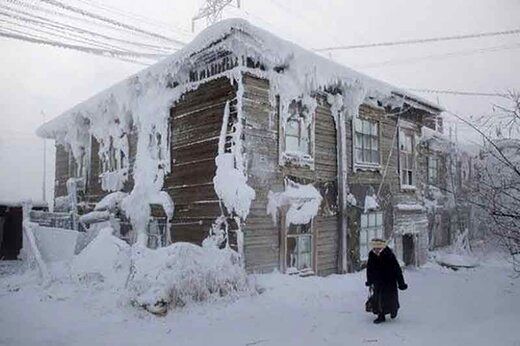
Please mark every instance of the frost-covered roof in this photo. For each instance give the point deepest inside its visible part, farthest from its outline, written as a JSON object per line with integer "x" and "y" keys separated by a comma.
{"x": 313, "y": 71}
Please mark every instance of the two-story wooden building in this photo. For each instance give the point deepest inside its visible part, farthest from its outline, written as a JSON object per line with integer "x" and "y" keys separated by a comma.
{"x": 292, "y": 159}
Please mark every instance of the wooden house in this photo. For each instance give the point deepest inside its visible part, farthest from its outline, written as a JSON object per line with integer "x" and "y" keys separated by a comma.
{"x": 292, "y": 159}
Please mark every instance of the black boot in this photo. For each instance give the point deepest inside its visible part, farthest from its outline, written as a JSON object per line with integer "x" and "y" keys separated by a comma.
{"x": 393, "y": 314}
{"x": 379, "y": 319}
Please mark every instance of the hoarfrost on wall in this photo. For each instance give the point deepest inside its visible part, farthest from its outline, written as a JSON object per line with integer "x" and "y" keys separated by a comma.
{"x": 142, "y": 103}
{"x": 303, "y": 203}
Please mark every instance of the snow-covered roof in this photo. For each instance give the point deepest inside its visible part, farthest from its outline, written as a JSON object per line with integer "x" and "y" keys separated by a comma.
{"x": 313, "y": 71}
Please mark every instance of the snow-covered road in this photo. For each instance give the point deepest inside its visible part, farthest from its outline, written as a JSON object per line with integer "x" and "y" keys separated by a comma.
{"x": 469, "y": 307}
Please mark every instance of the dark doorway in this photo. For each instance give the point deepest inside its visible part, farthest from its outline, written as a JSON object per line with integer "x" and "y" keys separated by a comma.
{"x": 408, "y": 249}
{"x": 10, "y": 232}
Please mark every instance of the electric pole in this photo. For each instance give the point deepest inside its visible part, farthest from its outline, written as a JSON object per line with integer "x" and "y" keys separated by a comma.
{"x": 44, "y": 183}
{"x": 212, "y": 11}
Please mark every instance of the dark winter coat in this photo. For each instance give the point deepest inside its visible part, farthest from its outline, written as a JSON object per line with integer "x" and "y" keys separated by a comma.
{"x": 385, "y": 275}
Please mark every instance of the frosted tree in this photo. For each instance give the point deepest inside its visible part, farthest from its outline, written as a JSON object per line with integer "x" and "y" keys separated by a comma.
{"x": 497, "y": 191}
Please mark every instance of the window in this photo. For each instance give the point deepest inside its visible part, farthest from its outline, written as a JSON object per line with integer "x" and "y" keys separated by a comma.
{"x": 299, "y": 256}
{"x": 371, "y": 227}
{"x": 297, "y": 135}
{"x": 406, "y": 157}
{"x": 366, "y": 146}
{"x": 433, "y": 165}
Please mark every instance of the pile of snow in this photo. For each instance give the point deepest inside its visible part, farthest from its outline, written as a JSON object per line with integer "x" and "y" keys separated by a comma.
{"x": 303, "y": 202}
{"x": 459, "y": 255}
{"x": 172, "y": 276}
{"x": 454, "y": 261}
{"x": 104, "y": 259}
{"x": 181, "y": 273}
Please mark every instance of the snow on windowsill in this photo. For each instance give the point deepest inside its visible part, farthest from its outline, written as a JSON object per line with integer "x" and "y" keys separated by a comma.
{"x": 361, "y": 166}
{"x": 296, "y": 158}
{"x": 409, "y": 207}
{"x": 408, "y": 187}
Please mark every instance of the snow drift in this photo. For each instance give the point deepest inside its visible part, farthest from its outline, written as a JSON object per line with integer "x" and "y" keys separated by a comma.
{"x": 172, "y": 276}
{"x": 182, "y": 273}
{"x": 105, "y": 259}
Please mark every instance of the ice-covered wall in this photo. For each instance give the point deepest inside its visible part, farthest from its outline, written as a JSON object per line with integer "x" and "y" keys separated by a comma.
{"x": 142, "y": 104}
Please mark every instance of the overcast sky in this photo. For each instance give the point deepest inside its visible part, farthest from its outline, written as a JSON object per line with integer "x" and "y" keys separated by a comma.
{"x": 36, "y": 79}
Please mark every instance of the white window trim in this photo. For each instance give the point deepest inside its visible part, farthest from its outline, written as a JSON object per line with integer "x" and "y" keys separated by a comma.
{"x": 295, "y": 157}
{"x": 410, "y": 128}
{"x": 365, "y": 166}
{"x": 284, "y": 249}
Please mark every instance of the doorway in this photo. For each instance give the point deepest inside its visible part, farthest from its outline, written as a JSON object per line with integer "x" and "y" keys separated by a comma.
{"x": 408, "y": 249}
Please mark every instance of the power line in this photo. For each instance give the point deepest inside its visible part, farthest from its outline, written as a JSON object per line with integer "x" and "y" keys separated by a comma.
{"x": 111, "y": 21}
{"x": 457, "y": 92}
{"x": 92, "y": 50}
{"x": 394, "y": 62}
{"x": 135, "y": 16}
{"x": 421, "y": 40}
{"x": 39, "y": 20}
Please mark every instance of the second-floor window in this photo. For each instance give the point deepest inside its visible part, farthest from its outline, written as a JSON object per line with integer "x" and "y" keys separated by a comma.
{"x": 433, "y": 165}
{"x": 406, "y": 158}
{"x": 297, "y": 136}
{"x": 366, "y": 142}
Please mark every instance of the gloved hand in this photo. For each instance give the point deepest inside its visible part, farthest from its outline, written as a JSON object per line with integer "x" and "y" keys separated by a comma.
{"x": 368, "y": 284}
{"x": 403, "y": 287}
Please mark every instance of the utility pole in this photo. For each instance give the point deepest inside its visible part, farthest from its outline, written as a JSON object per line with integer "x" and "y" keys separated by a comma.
{"x": 44, "y": 183}
{"x": 212, "y": 11}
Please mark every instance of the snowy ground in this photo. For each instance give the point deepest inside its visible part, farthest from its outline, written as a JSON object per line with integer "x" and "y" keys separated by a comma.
{"x": 478, "y": 306}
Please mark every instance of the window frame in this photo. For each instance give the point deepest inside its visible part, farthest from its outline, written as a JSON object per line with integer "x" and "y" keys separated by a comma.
{"x": 286, "y": 234}
{"x": 369, "y": 232}
{"x": 433, "y": 179}
{"x": 407, "y": 159}
{"x": 359, "y": 144}
{"x": 297, "y": 111}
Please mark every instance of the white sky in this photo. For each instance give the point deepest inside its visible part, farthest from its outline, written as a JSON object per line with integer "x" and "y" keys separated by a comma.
{"x": 36, "y": 78}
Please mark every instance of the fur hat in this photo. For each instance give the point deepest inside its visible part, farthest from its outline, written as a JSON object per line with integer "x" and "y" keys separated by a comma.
{"x": 377, "y": 243}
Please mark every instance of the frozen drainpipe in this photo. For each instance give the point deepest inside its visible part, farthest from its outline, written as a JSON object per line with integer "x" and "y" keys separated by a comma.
{"x": 339, "y": 114}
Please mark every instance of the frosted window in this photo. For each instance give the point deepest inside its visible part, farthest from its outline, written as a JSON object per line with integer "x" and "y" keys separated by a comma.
{"x": 366, "y": 146}
{"x": 297, "y": 136}
{"x": 432, "y": 170}
{"x": 406, "y": 156}
{"x": 299, "y": 247}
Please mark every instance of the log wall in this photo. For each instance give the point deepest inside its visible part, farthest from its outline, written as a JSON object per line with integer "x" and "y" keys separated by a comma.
{"x": 261, "y": 131}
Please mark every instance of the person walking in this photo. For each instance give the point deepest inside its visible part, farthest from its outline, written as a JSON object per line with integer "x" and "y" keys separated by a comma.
{"x": 384, "y": 275}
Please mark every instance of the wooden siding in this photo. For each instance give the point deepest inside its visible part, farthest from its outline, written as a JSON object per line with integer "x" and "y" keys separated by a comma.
{"x": 262, "y": 235}
{"x": 195, "y": 122}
